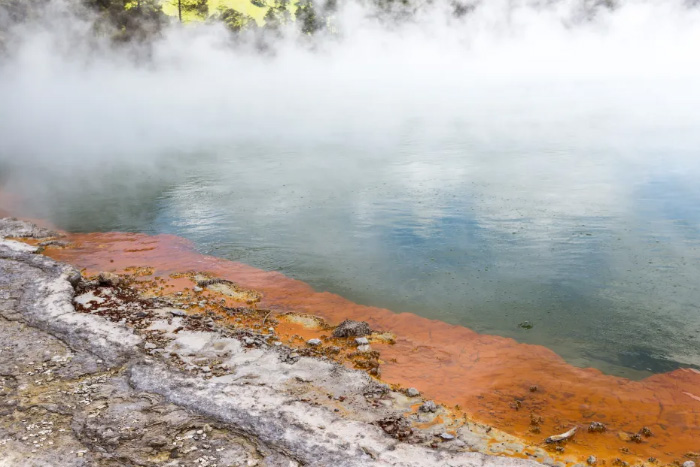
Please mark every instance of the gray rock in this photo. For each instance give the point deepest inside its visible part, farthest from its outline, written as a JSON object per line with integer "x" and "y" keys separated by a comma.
{"x": 196, "y": 288}
{"x": 592, "y": 460}
{"x": 428, "y": 406}
{"x": 364, "y": 348}
{"x": 597, "y": 427}
{"x": 447, "y": 436}
{"x": 109, "y": 279}
{"x": 412, "y": 392}
{"x": 688, "y": 464}
{"x": 314, "y": 342}
{"x": 11, "y": 227}
{"x": 349, "y": 328}
{"x": 361, "y": 341}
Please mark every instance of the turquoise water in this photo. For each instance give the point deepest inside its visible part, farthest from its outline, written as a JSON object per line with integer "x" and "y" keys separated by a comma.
{"x": 586, "y": 225}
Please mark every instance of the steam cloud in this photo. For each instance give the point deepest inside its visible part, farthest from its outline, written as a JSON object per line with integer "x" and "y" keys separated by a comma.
{"x": 519, "y": 116}
{"x": 575, "y": 71}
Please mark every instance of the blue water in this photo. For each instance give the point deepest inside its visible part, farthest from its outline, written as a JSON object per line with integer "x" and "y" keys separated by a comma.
{"x": 586, "y": 225}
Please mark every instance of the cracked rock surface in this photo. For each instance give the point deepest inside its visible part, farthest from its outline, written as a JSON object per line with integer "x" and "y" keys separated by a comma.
{"x": 96, "y": 379}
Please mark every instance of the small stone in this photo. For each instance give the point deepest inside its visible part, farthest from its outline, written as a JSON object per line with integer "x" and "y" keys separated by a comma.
{"x": 314, "y": 342}
{"x": 196, "y": 288}
{"x": 525, "y": 325}
{"x": 109, "y": 279}
{"x": 175, "y": 312}
{"x": 349, "y": 328}
{"x": 271, "y": 330}
{"x": 361, "y": 341}
{"x": 428, "y": 406}
{"x": 158, "y": 441}
{"x": 277, "y": 344}
{"x": 412, "y": 392}
{"x": 592, "y": 460}
{"x": 447, "y": 436}
{"x": 149, "y": 345}
{"x": 597, "y": 427}
{"x": 364, "y": 348}
{"x": 688, "y": 464}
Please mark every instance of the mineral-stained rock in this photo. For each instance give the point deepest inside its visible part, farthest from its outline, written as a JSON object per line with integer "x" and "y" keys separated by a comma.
{"x": 596, "y": 427}
{"x": 81, "y": 387}
{"x": 109, "y": 279}
{"x": 349, "y": 328}
{"x": 428, "y": 406}
{"x": 396, "y": 426}
{"x": 412, "y": 392}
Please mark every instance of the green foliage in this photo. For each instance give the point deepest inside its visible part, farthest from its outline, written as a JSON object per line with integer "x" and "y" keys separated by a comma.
{"x": 234, "y": 20}
{"x": 306, "y": 16}
{"x": 198, "y": 9}
{"x": 277, "y": 15}
{"x": 128, "y": 20}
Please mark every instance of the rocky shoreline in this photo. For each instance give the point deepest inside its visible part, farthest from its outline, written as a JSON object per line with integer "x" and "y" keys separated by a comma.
{"x": 96, "y": 372}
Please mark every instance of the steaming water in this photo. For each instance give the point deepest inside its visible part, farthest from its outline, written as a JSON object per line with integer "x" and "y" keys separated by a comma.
{"x": 550, "y": 223}
{"x": 562, "y": 193}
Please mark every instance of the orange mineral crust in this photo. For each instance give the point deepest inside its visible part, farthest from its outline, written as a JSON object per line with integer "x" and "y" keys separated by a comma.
{"x": 525, "y": 390}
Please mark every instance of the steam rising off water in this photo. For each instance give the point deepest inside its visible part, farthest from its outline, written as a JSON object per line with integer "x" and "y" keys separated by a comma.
{"x": 521, "y": 164}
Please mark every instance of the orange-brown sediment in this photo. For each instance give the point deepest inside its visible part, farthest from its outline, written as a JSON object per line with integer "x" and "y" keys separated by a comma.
{"x": 495, "y": 379}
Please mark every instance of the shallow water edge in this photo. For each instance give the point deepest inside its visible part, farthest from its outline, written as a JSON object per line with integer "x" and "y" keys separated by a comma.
{"x": 526, "y": 390}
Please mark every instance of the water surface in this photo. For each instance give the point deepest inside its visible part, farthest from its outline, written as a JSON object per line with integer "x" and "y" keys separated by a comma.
{"x": 575, "y": 210}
